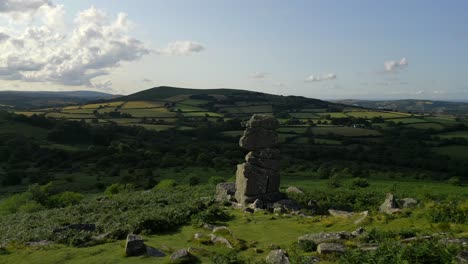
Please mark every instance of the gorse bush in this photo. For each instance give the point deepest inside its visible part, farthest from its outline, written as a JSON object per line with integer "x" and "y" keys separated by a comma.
{"x": 166, "y": 184}
{"x": 142, "y": 212}
{"x": 117, "y": 188}
{"x": 449, "y": 212}
{"x": 359, "y": 183}
{"x": 393, "y": 252}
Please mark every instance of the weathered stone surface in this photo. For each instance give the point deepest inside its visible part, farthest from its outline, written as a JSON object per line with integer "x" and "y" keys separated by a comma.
{"x": 339, "y": 213}
{"x": 325, "y": 237}
{"x": 363, "y": 216}
{"x": 154, "y": 252}
{"x": 253, "y": 182}
{"x": 330, "y": 248}
{"x": 277, "y": 256}
{"x": 412, "y": 239}
{"x": 271, "y": 164}
{"x": 258, "y": 138}
{"x": 408, "y": 202}
{"x": 134, "y": 246}
{"x": 182, "y": 256}
{"x": 225, "y": 191}
{"x": 368, "y": 247}
{"x": 220, "y": 240}
{"x": 266, "y": 153}
{"x": 358, "y": 232}
{"x": 462, "y": 257}
{"x": 209, "y": 226}
{"x": 294, "y": 189}
{"x": 390, "y": 205}
{"x": 40, "y": 243}
{"x": 200, "y": 252}
{"x": 263, "y": 121}
{"x": 257, "y": 204}
{"x": 287, "y": 205}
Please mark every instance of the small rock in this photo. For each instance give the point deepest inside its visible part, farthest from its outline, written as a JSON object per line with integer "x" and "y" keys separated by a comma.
{"x": 134, "y": 246}
{"x": 222, "y": 230}
{"x": 220, "y": 240}
{"x": 257, "y": 204}
{"x": 327, "y": 248}
{"x": 338, "y": 213}
{"x": 325, "y": 237}
{"x": 461, "y": 241}
{"x": 39, "y": 243}
{"x": 279, "y": 210}
{"x": 154, "y": 252}
{"x": 182, "y": 256}
{"x": 225, "y": 191}
{"x": 363, "y": 217}
{"x": 310, "y": 260}
{"x": 287, "y": 204}
{"x": 390, "y": 205}
{"x": 209, "y": 227}
{"x": 277, "y": 256}
{"x": 294, "y": 189}
{"x": 358, "y": 232}
{"x": 201, "y": 252}
{"x": 462, "y": 257}
{"x": 412, "y": 239}
{"x": 368, "y": 247}
{"x": 408, "y": 202}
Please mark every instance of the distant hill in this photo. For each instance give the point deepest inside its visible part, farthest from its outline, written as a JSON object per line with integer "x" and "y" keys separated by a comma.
{"x": 41, "y": 99}
{"x": 411, "y": 105}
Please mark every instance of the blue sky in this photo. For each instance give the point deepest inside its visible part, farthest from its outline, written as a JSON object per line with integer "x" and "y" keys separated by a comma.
{"x": 322, "y": 49}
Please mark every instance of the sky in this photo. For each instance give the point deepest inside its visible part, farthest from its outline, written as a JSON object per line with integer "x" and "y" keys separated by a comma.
{"x": 326, "y": 49}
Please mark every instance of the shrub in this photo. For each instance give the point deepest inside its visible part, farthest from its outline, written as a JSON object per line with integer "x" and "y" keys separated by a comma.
{"x": 31, "y": 207}
{"x": 334, "y": 182}
{"x": 193, "y": 180}
{"x": 14, "y": 202}
{"x": 211, "y": 216}
{"x": 455, "y": 181}
{"x": 65, "y": 199}
{"x": 116, "y": 188}
{"x": 215, "y": 180}
{"x": 307, "y": 245}
{"x": 359, "y": 182}
{"x": 165, "y": 184}
{"x": 449, "y": 212}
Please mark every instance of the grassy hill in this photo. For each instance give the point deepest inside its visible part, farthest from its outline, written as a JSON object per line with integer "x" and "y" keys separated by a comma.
{"x": 414, "y": 106}
{"x": 40, "y": 99}
{"x": 148, "y": 164}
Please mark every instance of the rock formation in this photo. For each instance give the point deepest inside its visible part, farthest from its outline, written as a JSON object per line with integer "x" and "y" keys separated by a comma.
{"x": 258, "y": 177}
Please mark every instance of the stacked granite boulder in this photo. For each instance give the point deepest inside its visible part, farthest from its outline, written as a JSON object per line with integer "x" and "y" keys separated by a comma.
{"x": 258, "y": 177}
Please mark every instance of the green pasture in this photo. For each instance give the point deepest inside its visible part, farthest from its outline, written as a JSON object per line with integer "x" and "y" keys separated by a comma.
{"x": 195, "y": 102}
{"x": 151, "y": 127}
{"x": 305, "y": 115}
{"x": 345, "y": 131}
{"x": 141, "y": 104}
{"x": 295, "y": 129}
{"x": 371, "y": 114}
{"x": 434, "y": 126}
{"x": 150, "y": 112}
{"x": 201, "y": 114}
{"x": 69, "y": 115}
{"x": 459, "y": 152}
{"x": 454, "y": 134}
{"x": 247, "y": 109}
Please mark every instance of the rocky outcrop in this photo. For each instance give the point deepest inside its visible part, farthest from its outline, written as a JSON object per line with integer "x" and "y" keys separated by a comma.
{"x": 258, "y": 177}
{"x": 294, "y": 189}
{"x": 277, "y": 256}
{"x": 182, "y": 256}
{"x": 225, "y": 191}
{"x": 339, "y": 213}
{"x": 134, "y": 246}
{"x": 323, "y": 237}
{"x": 390, "y": 205}
{"x": 330, "y": 248}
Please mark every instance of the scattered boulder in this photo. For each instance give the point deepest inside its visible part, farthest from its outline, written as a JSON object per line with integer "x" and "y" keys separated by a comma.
{"x": 154, "y": 252}
{"x": 363, "y": 217}
{"x": 40, "y": 243}
{"x": 330, "y": 248}
{"x": 225, "y": 191}
{"x": 182, "y": 256}
{"x": 294, "y": 189}
{"x": 358, "y": 232}
{"x": 460, "y": 241}
{"x": 134, "y": 246}
{"x": 323, "y": 237}
{"x": 209, "y": 226}
{"x": 407, "y": 203}
{"x": 338, "y": 213}
{"x": 390, "y": 205}
{"x": 462, "y": 257}
{"x": 368, "y": 247}
{"x": 220, "y": 240}
{"x": 277, "y": 256}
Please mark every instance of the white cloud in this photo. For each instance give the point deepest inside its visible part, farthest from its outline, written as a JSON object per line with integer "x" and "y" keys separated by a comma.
{"x": 182, "y": 48}
{"x": 74, "y": 55}
{"x": 393, "y": 66}
{"x": 259, "y": 75}
{"x": 319, "y": 78}
{"x": 279, "y": 84}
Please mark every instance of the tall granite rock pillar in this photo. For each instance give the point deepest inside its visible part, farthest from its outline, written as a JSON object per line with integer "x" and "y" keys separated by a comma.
{"x": 258, "y": 177}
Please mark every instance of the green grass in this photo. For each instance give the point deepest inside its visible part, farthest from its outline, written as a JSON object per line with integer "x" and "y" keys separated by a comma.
{"x": 371, "y": 114}
{"x": 142, "y": 104}
{"x": 333, "y": 114}
{"x": 80, "y": 111}
{"x": 195, "y": 102}
{"x": 233, "y": 133}
{"x": 454, "y": 134}
{"x": 345, "y": 131}
{"x": 434, "y": 126}
{"x": 28, "y": 113}
{"x": 247, "y": 109}
{"x": 198, "y": 114}
{"x": 456, "y": 152}
{"x": 305, "y": 115}
{"x": 151, "y": 112}
{"x": 297, "y": 130}
{"x": 69, "y": 116}
{"x": 322, "y": 141}
{"x": 23, "y": 129}
{"x": 151, "y": 127}
{"x": 188, "y": 108}
{"x": 408, "y": 120}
